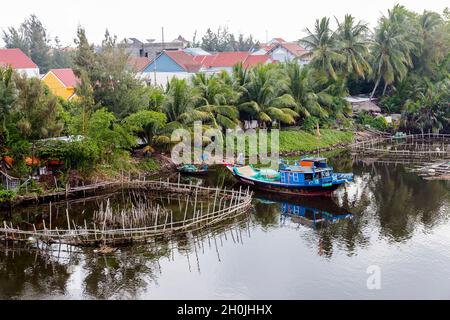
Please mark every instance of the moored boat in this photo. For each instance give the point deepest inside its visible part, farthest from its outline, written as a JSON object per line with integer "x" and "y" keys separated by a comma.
{"x": 193, "y": 169}
{"x": 308, "y": 177}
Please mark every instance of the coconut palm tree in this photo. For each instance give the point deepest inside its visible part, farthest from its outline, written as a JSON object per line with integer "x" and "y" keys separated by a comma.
{"x": 265, "y": 98}
{"x": 217, "y": 97}
{"x": 180, "y": 101}
{"x": 353, "y": 43}
{"x": 391, "y": 49}
{"x": 322, "y": 45}
{"x": 431, "y": 111}
{"x": 304, "y": 88}
{"x": 428, "y": 48}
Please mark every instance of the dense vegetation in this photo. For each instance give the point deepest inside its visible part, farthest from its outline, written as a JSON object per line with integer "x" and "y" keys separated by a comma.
{"x": 405, "y": 62}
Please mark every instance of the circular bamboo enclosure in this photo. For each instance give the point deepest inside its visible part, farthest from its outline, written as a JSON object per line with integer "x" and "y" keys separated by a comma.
{"x": 144, "y": 220}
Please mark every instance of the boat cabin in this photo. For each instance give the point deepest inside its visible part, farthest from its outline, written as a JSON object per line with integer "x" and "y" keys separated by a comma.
{"x": 307, "y": 171}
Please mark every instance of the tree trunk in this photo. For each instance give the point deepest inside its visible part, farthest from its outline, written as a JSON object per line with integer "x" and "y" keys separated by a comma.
{"x": 384, "y": 90}
{"x": 375, "y": 89}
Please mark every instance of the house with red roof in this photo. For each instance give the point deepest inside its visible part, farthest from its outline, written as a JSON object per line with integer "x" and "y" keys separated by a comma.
{"x": 138, "y": 64}
{"x": 169, "y": 64}
{"x": 19, "y": 61}
{"x": 282, "y": 51}
{"x": 62, "y": 83}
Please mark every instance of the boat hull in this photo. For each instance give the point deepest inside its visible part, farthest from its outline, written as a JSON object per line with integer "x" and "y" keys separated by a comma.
{"x": 194, "y": 173}
{"x": 313, "y": 191}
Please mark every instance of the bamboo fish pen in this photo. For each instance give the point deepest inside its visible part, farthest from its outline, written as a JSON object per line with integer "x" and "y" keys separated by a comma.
{"x": 144, "y": 221}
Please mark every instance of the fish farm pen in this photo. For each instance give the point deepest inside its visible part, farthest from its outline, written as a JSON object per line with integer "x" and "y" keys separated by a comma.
{"x": 428, "y": 155}
{"x": 144, "y": 220}
{"x": 421, "y": 146}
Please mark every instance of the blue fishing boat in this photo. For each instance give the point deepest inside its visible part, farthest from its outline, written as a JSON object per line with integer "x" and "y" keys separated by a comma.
{"x": 307, "y": 177}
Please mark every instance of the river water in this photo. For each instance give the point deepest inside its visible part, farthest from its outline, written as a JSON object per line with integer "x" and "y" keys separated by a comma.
{"x": 388, "y": 221}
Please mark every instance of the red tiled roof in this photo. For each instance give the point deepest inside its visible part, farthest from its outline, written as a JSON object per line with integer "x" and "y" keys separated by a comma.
{"x": 279, "y": 40}
{"x": 254, "y": 60}
{"x": 230, "y": 59}
{"x": 184, "y": 60}
{"x": 66, "y": 76}
{"x": 138, "y": 63}
{"x": 293, "y": 48}
{"x": 16, "y": 59}
{"x": 205, "y": 60}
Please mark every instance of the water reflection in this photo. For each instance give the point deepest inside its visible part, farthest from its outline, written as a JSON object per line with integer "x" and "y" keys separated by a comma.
{"x": 385, "y": 213}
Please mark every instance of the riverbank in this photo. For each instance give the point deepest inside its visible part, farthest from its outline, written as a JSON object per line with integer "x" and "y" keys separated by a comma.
{"x": 296, "y": 142}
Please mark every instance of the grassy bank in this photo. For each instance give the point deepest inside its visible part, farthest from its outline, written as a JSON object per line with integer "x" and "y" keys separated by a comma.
{"x": 302, "y": 141}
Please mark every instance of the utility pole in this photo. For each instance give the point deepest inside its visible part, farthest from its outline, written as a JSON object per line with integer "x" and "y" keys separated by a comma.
{"x": 162, "y": 33}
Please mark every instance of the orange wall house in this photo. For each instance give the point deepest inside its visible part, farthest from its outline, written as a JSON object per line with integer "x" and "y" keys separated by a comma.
{"x": 62, "y": 83}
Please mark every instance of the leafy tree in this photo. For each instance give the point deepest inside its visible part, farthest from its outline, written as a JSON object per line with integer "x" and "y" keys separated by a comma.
{"x": 146, "y": 124}
{"x": 109, "y": 134}
{"x": 8, "y": 96}
{"x": 38, "y": 42}
{"x": 115, "y": 86}
{"x": 38, "y": 113}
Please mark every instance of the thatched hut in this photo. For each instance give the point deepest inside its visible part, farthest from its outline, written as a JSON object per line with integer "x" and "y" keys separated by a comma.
{"x": 364, "y": 104}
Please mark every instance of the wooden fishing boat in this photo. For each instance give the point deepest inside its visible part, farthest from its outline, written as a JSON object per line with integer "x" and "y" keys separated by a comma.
{"x": 308, "y": 177}
{"x": 192, "y": 169}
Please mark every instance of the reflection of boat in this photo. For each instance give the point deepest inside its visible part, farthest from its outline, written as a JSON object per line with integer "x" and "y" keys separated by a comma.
{"x": 309, "y": 177}
{"x": 308, "y": 212}
{"x": 193, "y": 169}
{"x": 310, "y": 216}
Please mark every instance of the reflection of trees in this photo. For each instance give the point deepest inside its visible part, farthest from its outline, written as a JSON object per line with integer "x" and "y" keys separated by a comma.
{"x": 267, "y": 215}
{"x": 404, "y": 200}
{"x": 124, "y": 274}
{"x": 25, "y": 273}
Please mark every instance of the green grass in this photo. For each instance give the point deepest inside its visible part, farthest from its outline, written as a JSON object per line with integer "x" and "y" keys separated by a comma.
{"x": 298, "y": 140}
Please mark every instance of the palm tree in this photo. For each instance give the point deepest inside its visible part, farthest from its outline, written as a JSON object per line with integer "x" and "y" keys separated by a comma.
{"x": 391, "y": 49}
{"x": 428, "y": 52}
{"x": 179, "y": 103}
{"x": 217, "y": 97}
{"x": 322, "y": 45}
{"x": 304, "y": 88}
{"x": 264, "y": 96}
{"x": 431, "y": 110}
{"x": 352, "y": 42}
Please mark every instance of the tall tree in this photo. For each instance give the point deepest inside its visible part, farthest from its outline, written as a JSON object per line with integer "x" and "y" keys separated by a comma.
{"x": 353, "y": 46}
{"x": 16, "y": 38}
{"x": 84, "y": 58}
{"x": 392, "y": 48}
{"x": 8, "y": 96}
{"x": 323, "y": 48}
{"x": 32, "y": 38}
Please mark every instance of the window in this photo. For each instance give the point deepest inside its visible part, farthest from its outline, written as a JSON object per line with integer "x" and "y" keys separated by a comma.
{"x": 308, "y": 176}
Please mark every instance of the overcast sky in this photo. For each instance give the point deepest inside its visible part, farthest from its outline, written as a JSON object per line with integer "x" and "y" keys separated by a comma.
{"x": 143, "y": 19}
